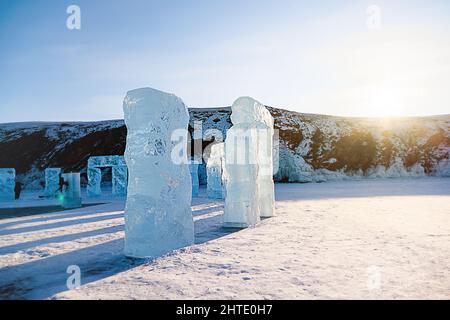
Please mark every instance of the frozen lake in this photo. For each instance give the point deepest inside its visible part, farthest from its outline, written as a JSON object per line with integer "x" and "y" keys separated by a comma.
{"x": 350, "y": 239}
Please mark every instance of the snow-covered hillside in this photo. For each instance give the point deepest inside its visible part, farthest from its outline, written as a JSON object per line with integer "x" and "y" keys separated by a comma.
{"x": 313, "y": 148}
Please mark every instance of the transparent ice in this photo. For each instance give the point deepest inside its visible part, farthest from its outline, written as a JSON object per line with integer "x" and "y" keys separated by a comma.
{"x": 194, "y": 177}
{"x": 52, "y": 182}
{"x": 71, "y": 191}
{"x": 250, "y": 192}
{"x": 119, "y": 174}
{"x": 158, "y": 215}
{"x": 7, "y": 183}
{"x": 215, "y": 169}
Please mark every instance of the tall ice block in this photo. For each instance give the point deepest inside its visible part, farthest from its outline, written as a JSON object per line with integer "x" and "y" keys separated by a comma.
{"x": 248, "y": 164}
{"x": 158, "y": 216}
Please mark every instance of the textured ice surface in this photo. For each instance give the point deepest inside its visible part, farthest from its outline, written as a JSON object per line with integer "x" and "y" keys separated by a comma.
{"x": 7, "y": 183}
{"x": 71, "y": 191}
{"x": 94, "y": 182}
{"x": 52, "y": 181}
{"x": 119, "y": 180}
{"x": 106, "y": 161}
{"x": 265, "y": 161}
{"x": 443, "y": 168}
{"x": 119, "y": 174}
{"x": 158, "y": 215}
{"x": 215, "y": 168}
{"x": 250, "y": 192}
{"x": 202, "y": 176}
{"x": 194, "y": 177}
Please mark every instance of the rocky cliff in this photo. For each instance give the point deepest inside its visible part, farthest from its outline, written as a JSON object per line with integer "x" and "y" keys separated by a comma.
{"x": 312, "y": 148}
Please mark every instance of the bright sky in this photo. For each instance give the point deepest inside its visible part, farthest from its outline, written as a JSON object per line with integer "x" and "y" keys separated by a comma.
{"x": 309, "y": 56}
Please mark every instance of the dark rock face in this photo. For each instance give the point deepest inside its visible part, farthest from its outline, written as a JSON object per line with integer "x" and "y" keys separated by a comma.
{"x": 311, "y": 147}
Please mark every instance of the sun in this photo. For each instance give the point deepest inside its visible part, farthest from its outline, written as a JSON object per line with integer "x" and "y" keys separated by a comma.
{"x": 385, "y": 101}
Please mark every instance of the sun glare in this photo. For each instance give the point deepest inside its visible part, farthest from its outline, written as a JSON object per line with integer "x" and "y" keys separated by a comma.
{"x": 385, "y": 102}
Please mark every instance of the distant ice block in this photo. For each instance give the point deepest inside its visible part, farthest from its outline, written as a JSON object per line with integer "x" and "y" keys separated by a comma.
{"x": 71, "y": 190}
{"x": 52, "y": 182}
{"x": 106, "y": 161}
{"x": 119, "y": 180}
{"x": 7, "y": 183}
{"x": 202, "y": 176}
{"x": 215, "y": 168}
{"x": 158, "y": 215}
{"x": 94, "y": 182}
{"x": 224, "y": 174}
{"x": 249, "y": 193}
{"x": 119, "y": 174}
{"x": 194, "y": 177}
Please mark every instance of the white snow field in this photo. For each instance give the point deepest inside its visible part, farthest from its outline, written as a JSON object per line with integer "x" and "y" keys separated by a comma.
{"x": 350, "y": 239}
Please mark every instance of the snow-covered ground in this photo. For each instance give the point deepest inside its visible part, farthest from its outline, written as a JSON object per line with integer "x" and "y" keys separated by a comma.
{"x": 349, "y": 239}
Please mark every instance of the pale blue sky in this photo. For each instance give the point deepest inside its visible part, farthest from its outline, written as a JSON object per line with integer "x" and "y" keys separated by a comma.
{"x": 307, "y": 56}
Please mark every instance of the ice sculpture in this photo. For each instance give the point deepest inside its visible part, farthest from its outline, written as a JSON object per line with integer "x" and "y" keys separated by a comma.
{"x": 7, "y": 183}
{"x": 71, "y": 190}
{"x": 158, "y": 215}
{"x": 215, "y": 169}
{"x": 52, "y": 182}
{"x": 194, "y": 177}
{"x": 119, "y": 175}
{"x": 247, "y": 173}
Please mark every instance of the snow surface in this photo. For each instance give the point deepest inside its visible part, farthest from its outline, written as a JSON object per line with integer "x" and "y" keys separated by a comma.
{"x": 326, "y": 241}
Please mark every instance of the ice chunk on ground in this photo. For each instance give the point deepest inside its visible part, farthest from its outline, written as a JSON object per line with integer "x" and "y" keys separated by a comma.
{"x": 158, "y": 215}
{"x": 71, "y": 190}
{"x": 443, "y": 168}
{"x": 214, "y": 169}
{"x": 293, "y": 168}
{"x": 7, "y": 183}
{"x": 52, "y": 181}
{"x": 243, "y": 159}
